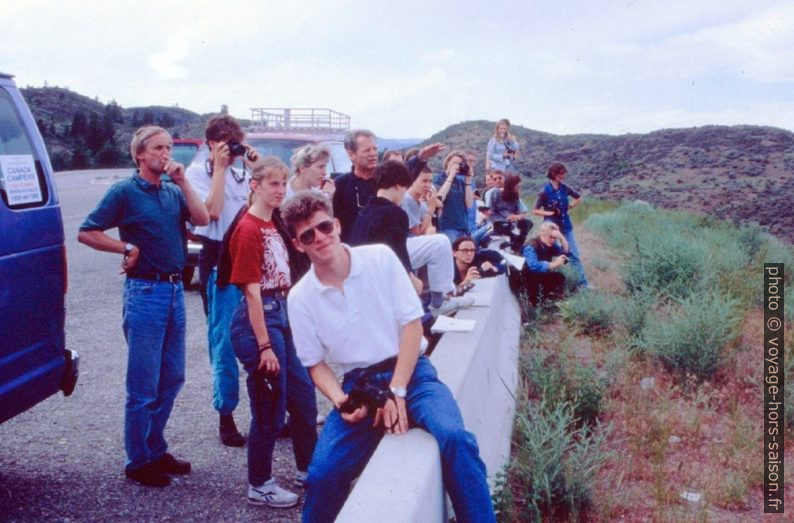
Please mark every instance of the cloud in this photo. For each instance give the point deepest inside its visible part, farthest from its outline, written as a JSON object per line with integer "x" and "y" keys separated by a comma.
{"x": 167, "y": 62}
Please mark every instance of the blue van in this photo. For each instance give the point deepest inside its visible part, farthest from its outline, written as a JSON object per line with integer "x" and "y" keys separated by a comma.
{"x": 34, "y": 362}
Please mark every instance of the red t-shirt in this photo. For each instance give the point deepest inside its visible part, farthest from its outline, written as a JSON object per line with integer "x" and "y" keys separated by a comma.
{"x": 259, "y": 254}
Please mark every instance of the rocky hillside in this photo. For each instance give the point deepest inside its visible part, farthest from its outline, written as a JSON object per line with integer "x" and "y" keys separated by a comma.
{"x": 744, "y": 173}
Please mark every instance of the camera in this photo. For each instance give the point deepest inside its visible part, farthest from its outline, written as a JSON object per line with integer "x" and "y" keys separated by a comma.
{"x": 365, "y": 393}
{"x": 236, "y": 149}
{"x": 464, "y": 169}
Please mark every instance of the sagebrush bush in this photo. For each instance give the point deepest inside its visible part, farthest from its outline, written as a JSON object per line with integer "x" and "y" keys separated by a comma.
{"x": 588, "y": 312}
{"x": 692, "y": 335}
{"x": 669, "y": 264}
{"x": 560, "y": 380}
{"x": 553, "y": 472}
{"x": 632, "y": 311}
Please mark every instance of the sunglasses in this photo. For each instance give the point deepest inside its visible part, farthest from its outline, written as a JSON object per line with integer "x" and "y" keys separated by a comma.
{"x": 308, "y": 236}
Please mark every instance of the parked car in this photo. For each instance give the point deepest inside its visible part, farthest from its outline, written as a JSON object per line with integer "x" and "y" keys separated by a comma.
{"x": 184, "y": 149}
{"x": 34, "y": 360}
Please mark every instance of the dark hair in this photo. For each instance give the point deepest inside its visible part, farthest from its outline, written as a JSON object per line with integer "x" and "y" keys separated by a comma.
{"x": 391, "y": 173}
{"x": 223, "y": 127}
{"x": 416, "y": 167}
{"x": 555, "y": 170}
{"x": 302, "y": 207}
{"x": 461, "y": 239}
{"x": 351, "y": 140}
{"x": 390, "y": 152}
{"x": 510, "y": 192}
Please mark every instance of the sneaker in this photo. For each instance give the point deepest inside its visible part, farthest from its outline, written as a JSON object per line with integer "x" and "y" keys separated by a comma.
{"x": 452, "y": 304}
{"x": 300, "y": 478}
{"x": 168, "y": 464}
{"x": 228, "y": 433}
{"x": 272, "y": 495}
{"x": 148, "y": 475}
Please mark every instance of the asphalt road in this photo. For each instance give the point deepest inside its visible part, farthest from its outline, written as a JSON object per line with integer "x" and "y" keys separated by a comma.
{"x": 63, "y": 460}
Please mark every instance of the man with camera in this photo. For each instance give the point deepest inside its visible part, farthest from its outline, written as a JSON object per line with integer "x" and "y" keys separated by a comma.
{"x": 356, "y": 308}
{"x": 545, "y": 253}
{"x": 224, "y": 190}
{"x": 454, "y": 188}
{"x": 150, "y": 215}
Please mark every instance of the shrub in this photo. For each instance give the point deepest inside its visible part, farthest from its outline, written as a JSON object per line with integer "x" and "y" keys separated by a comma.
{"x": 692, "y": 336}
{"x": 632, "y": 311}
{"x": 667, "y": 263}
{"x": 553, "y": 471}
{"x": 588, "y": 312}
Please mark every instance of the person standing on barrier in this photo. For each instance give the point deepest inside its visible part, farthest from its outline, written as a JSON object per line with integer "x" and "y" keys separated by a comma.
{"x": 454, "y": 188}
{"x": 553, "y": 205}
{"x": 262, "y": 266}
{"x": 224, "y": 189}
{"x": 150, "y": 215}
{"x": 356, "y": 308}
{"x": 502, "y": 148}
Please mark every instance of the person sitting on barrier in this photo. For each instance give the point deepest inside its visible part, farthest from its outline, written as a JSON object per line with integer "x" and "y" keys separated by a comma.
{"x": 505, "y": 205}
{"x": 552, "y": 204}
{"x": 356, "y": 309}
{"x": 421, "y": 202}
{"x": 309, "y": 171}
{"x": 470, "y": 265}
{"x": 382, "y": 220}
{"x": 262, "y": 265}
{"x": 544, "y": 253}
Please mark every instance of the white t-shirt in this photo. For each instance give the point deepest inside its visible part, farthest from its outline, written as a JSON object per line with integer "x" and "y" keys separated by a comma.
{"x": 361, "y": 326}
{"x": 235, "y": 195}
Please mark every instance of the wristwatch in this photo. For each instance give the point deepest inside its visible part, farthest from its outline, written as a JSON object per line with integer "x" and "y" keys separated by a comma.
{"x": 128, "y": 249}
{"x": 400, "y": 392}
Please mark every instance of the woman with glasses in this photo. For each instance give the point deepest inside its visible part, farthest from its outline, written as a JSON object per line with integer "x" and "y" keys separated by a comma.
{"x": 265, "y": 264}
{"x": 470, "y": 266}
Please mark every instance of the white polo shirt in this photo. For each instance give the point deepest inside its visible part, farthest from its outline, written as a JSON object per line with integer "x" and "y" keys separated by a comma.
{"x": 361, "y": 326}
{"x": 235, "y": 194}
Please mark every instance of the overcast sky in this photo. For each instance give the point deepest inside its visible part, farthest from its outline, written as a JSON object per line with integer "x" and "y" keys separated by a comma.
{"x": 409, "y": 69}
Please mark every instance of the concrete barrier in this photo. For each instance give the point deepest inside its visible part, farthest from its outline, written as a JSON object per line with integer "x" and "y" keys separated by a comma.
{"x": 402, "y": 481}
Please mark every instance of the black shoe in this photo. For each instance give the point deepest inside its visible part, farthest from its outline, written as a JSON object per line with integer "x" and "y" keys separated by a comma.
{"x": 227, "y": 430}
{"x": 168, "y": 464}
{"x": 148, "y": 475}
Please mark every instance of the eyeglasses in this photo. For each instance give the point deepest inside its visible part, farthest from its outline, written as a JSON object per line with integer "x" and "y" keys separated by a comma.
{"x": 308, "y": 236}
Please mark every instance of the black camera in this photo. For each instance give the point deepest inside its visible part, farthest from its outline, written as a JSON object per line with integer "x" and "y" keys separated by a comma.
{"x": 464, "y": 169}
{"x": 366, "y": 393}
{"x": 236, "y": 149}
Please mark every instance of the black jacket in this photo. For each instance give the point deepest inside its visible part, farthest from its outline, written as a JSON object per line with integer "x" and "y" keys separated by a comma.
{"x": 380, "y": 221}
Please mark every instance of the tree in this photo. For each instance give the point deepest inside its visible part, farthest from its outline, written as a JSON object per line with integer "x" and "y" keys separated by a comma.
{"x": 95, "y": 137}
{"x": 79, "y": 125}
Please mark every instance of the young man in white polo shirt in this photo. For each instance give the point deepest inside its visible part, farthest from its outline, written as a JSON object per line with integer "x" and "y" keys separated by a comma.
{"x": 356, "y": 308}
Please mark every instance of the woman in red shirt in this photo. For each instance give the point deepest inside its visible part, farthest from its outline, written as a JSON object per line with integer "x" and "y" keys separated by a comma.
{"x": 264, "y": 268}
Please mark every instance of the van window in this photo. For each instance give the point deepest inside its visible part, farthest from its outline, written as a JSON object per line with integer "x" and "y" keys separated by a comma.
{"x": 22, "y": 182}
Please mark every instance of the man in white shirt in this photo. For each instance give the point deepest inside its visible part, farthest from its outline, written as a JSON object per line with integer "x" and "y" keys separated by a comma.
{"x": 224, "y": 190}
{"x": 356, "y": 308}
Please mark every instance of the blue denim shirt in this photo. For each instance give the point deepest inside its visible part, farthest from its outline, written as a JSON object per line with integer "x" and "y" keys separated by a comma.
{"x": 455, "y": 214}
{"x": 149, "y": 217}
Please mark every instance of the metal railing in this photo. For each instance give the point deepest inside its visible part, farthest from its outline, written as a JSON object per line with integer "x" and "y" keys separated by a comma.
{"x": 294, "y": 119}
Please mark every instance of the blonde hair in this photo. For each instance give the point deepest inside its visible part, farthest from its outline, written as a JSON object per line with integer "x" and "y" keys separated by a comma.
{"x": 453, "y": 153}
{"x": 498, "y": 138}
{"x": 139, "y": 138}
{"x": 307, "y": 155}
{"x": 267, "y": 168}
{"x": 547, "y": 227}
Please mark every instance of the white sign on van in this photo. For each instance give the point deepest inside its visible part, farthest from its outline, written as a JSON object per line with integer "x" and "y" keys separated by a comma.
{"x": 20, "y": 178}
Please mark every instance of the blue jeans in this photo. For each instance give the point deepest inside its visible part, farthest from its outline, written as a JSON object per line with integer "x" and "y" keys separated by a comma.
{"x": 344, "y": 449}
{"x": 209, "y": 256}
{"x": 225, "y": 374}
{"x": 292, "y": 391}
{"x": 154, "y": 326}
{"x": 574, "y": 259}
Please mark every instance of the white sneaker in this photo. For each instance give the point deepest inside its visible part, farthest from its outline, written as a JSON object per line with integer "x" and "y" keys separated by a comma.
{"x": 271, "y": 495}
{"x": 300, "y": 478}
{"x": 452, "y": 304}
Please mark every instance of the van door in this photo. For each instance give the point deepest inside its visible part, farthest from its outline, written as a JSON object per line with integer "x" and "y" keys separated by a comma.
{"x": 32, "y": 263}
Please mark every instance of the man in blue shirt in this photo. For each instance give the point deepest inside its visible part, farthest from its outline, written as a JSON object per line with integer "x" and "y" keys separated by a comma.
{"x": 150, "y": 215}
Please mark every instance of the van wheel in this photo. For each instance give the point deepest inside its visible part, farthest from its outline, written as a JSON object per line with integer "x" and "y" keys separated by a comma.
{"x": 187, "y": 275}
